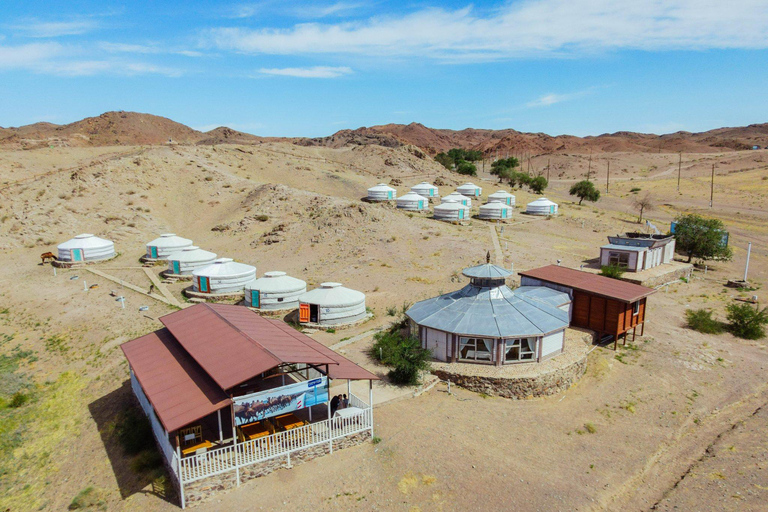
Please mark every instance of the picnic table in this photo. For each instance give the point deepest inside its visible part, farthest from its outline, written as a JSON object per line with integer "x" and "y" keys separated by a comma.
{"x": 289, "y": 421}
{"x": 195, "y": 447}
{"x": 254, "y": 430}
{"x": 347, "y": 412}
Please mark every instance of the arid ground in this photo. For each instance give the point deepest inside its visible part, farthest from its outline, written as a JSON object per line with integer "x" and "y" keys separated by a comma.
{"x": 676, "y": 420}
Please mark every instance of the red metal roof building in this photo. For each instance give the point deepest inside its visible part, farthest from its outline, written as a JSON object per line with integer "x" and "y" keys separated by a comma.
{"x": 610, "y": 307}
{"x": 190, "y": 376}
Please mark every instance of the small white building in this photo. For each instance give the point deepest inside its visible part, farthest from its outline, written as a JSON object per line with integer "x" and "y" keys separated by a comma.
{"x": 459, "y": 198}
{"x": 189, "y": 259}
{"x": 223, "y": 276}
{"x": 382, "y": 192}
{"x": 85, "y": 248}
{"x": 451, "y": 211}
{"x": 502, "y": 196}
{"x": 332, "y": 304}
{"x": 425, "y": 189}
{"x": 495, "y": 211}
{"x": 162, "y": 247}
{"x": 469, "y": 190}
{"x": 638, "y": 251}
{"x": 275, "y": 291}
{"x": 412, "y": 202}
{"x": 541, "y": 206}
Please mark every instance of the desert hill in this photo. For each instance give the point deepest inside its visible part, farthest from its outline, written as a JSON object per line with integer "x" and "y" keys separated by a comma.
{"x": 490, "y": 141}
{"x": 132, "y": 128}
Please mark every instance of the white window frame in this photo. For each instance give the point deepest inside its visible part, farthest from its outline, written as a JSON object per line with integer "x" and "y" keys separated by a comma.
{"x": 510, "y": 343}
{"x": 465, "y": 340}
{"x": 618, "y": 256}
{"x": 636, "y": 308}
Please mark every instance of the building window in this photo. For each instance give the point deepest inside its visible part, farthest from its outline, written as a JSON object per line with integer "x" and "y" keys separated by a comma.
{"x": 521, "y": 349}
{"x": 619, "y": 259}
{"x": 476, "y": 349}
{"x": 636, "y": 309}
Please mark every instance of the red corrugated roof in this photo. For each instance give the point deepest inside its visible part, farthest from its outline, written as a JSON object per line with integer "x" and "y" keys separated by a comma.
{"x": 588, "y": 282}
{"x": 176, "y": 386}
{"x": 234, "y": 344}
{"x": 343, "y": 369}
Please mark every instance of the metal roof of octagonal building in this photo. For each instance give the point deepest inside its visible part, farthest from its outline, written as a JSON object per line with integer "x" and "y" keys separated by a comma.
{"x": 487, "y": 271}
{"x": 492, "y": 312}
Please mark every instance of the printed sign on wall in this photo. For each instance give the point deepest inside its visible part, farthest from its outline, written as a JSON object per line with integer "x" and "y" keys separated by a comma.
{"x": 282, "y": 400}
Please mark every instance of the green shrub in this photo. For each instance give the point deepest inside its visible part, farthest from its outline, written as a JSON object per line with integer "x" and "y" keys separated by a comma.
{"x": 18, "y": 399}
{"x": 612, "y": 271}
{"x": 403, "y": 353}
{"x": 86, "y": 498}
{"x": 262, "y": 218}
{"x": 746, "y": 321}
{"x": 635, "y": 190}
{"x": 701, "y": 320}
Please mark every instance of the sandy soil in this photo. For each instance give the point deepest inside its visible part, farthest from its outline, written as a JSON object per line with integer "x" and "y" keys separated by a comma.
{"x": 656, "y": 410}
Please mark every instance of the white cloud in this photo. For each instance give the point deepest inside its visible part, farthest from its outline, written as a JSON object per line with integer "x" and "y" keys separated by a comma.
{"x": 295, "y": 9}
{"x": 145, "y": 49}
{"x": 324, "y": 11}
{"x": 526, "y": 28}
{"x": 36, "y": 28}
{"x": 56, "y": 59}
{"x": 313, "y": 72}
{"x": 552, "y": 98}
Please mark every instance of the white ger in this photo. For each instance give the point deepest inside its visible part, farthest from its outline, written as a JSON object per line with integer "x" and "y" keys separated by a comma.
{"x": 85, "y": 248}
{"x": 332, "y": 304}
{"x": 223, "y": 276}
{"x": 168, "y": 243}
{"x": 502, "y": 196}
{"x": 469, "y": 190}
{"x": 492, "y": 211}
{"x": 275, "y": 291}
{"x": 412, "y": 201}
{"x": 189, "y": 259}
{"x": 381, "y": 192}
{"x": 541, "y": 206}
{"x": 451, "y": 211}
{"x": 425, "y": 189}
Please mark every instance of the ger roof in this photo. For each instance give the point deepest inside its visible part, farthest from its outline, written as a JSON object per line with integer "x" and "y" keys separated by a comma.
{"x": 487, "y": 270}
{"x": 591, "y": 283}
{"x": 177, "y": 387}
{"x": 233, "y": 344}
{"x": 490, "y": 312}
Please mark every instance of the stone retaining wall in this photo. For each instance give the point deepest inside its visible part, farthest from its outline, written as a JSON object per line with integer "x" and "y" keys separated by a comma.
{"x": 662, "y": 279}
{"x": 520, "y": 388}
{"x": 201, "y": 491}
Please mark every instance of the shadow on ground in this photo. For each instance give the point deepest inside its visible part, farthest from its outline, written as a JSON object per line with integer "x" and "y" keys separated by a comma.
{"x": 107, "y": 412}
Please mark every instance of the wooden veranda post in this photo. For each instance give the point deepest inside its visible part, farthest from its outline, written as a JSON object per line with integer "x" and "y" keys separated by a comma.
{"x": 370, "y": 404}
{"x": 181, "y": 476}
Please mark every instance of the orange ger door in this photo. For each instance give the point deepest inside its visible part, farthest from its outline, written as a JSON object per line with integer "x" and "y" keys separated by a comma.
{"x": 304, "y": 313}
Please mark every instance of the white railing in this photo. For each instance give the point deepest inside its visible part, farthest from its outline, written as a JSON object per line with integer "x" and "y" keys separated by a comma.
{"x": 229, "y": 458}
{"x": 157, "y": 429}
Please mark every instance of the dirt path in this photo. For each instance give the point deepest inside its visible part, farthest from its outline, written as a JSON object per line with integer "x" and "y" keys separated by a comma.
{"x": 160, "y": 286}
{"x": 498, "y": 255}
{"x": 129, "y": 285}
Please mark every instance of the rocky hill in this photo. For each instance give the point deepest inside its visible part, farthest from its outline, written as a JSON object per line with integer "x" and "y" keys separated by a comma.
{"x": 132, "y": 128}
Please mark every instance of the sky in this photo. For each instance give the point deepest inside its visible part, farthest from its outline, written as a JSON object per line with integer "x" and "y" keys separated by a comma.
{"x": 308, "y": 68}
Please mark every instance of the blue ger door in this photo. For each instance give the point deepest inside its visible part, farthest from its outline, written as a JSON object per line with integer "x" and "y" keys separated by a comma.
{"x": 77, "y": 255}
{"x": 153, "y": 252}
{"x": 255, "y": 299}
{"x": 202, "y": 284}
{"x": 176, "y": 267}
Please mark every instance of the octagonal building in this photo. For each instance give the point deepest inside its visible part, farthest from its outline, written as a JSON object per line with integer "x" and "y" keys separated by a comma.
{"x": 486, "y": 322}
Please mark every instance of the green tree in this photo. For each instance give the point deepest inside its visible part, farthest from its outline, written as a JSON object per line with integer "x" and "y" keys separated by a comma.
{"x": 504, "y": 167}
{"x": 445, "y": 160}
{"x": 585, "y": 190}
{"x": 466, "y": 168}
{"x": 537, "y": 184}
{"x": 746, "y": 321}
{"x": 702, "y": 238}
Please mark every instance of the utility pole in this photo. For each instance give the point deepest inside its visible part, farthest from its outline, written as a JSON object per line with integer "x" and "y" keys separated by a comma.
{"x": 547, "y": 170}
{"x": 608, "y": 177}
{"x": 589, "y": 168}
{"x": 746, "y": 267}
{"x": 712, "y": 187}
{"x": 679, "y": 164}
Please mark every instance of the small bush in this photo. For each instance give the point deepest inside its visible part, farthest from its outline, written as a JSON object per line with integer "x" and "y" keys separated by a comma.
{"x": 262, "y": 218}
{"x": 391, "y": 310}
{"x": 18, "y": 399}
{"x": 635, "y": 190}
{"x": 746, "y": 321}
{"x": 403, "y": 353}
{"x": 590, "y": 427}
{"x": 701, "y": 320}
{"x": 375, "y": 439}
{"x": 331, "y": 330}
{"x": 612, "y": 271}
{"x": 86, "y": 498}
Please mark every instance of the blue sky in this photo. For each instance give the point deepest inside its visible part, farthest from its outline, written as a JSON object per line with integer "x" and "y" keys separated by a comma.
{"x": 306, "y": 68}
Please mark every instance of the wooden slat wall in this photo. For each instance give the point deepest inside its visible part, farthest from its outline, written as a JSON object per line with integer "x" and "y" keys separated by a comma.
{"x": 605, "y": 316}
